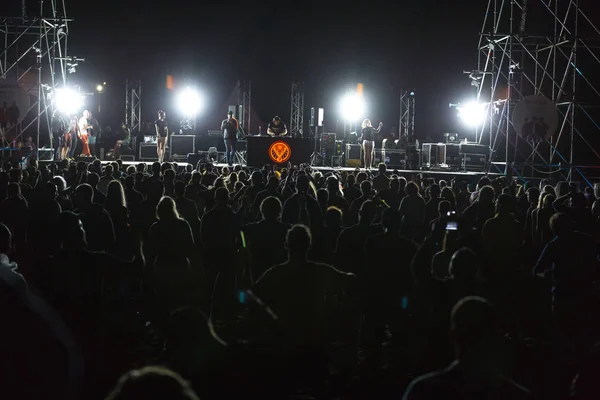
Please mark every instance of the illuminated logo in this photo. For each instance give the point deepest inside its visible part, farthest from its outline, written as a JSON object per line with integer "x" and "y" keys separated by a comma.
{"x": 280, "y": 152}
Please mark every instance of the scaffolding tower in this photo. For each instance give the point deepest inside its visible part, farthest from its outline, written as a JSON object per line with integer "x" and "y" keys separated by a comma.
{"x": 133, "y": 106}
{"x": 245, "y": 101}
{"x": 539, "y": 47}
{"x": 297, "y": 111}
{"x": 34, "y": 58}
{"x": 406, "y": 124}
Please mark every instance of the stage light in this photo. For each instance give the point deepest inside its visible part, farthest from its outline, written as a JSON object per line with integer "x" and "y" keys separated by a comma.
{"x": 472, "y": 114}
{"x": 189, "y": 102}
{"x": 352, "y": 107}
{"x": 99, "y": 88}
{"x": 68, "y": 100}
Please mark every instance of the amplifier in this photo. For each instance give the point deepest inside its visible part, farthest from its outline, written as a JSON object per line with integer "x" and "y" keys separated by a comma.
{"x": 472, "y": 148}
{"x": 353, "y": 155}
{"x": 395, "y": 158}
{"x": 127, "y": 157}
{"x": 148, "y": 152}
{"x": 327, "y": 145}
{"x": 452, "y": 155}
{"x": 433, "y": 154}
{"x": 182, "y": 145}
{"x": 378, "y": 156}
{"x": 473, "y": 161}
{"x": 46, "y": 154}
{"x": 337, "y": 151}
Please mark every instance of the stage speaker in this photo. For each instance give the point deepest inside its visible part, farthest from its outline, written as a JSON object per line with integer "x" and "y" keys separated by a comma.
{"x": 327, "y": 144}
{"x": 321, "y": 117}
{"x": 240, "y": 113}
{"x": 338, "y": 148}
{"x": 352, "y": 155}
{"x": 312, "y": 116}
{"x": 182, "y": 145}
{"x": 46, "y": 154}
{"x": 232, "y": 108}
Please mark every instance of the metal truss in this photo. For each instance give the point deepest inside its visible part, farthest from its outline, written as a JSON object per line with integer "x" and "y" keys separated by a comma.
{"x": 245, "y": 100}
{"x": 406, "y": 125}
{"x": 34, "y": 58}
{"x": 133, "y": 105}
{"x": 539, "y": 47}
{"x": 297, "y": 111}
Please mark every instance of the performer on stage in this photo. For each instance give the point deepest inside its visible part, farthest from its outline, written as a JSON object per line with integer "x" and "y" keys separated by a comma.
{"x": 162, "y": 132}
{"x": 229, "y": 128}
{"x": 85, "y": 131}
{"x": 93, "y": 134}
{"x": 67, "y": 139}
{"x": 277, "y": 127}
{"x": 368, "y": 141}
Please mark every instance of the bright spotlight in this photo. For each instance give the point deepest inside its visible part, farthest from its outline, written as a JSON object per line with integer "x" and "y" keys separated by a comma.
{"x": 99, "y": 88}
{"x": 68, "y": 100}
{"x": 472, "y": 114}
{"x": 189, "y": 102}
{"x": 352, "y": 107}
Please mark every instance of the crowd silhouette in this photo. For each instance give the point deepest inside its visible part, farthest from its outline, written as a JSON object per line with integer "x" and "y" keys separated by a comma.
{"x": 182, "y": 282}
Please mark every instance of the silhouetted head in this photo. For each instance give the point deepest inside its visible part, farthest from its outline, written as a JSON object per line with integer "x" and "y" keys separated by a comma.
{"x": 464, "y": 265}
{"x": 152, "y": 383}
{"x": 474, "y": 327}
{"x": 333, "y": 185}
{"x": 561, "y": 224}
{"x": 505, "y": 204}
{"x": 93, "y": 179}
{"x": 270, "y": 208}
{"x": 366, "y": 188}
{"x": 179, "y": 189}
{"x": 84, "y": 194}
{"x": 367, "y": 212}
{"x": 298, "y": 241}
{"x": 412, "y": 189}
{"x": 444, "y": 207}
{"x": 221, "y": 197}
{"x": 166, "y": 210}
{"x": 333, "y": 217}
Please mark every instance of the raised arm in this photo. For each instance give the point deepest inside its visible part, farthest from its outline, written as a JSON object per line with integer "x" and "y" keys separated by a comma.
{"x": 378, "y": 128}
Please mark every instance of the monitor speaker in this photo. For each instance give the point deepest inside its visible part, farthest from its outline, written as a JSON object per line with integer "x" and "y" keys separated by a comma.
{"x": 312, "y": 116}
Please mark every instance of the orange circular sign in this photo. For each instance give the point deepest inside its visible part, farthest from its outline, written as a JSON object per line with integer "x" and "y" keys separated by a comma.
{"x": 280, "y": 152}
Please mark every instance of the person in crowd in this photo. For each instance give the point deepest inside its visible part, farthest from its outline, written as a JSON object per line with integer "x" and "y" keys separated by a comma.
{"x": 152, "y": 383}
{"x": 381, "y": 182}
{"x": 569, "y": 260}
{"x": 476, "y": 373}
{"x": 266, "y": 239}
{"x": 96, "y": 220}
{"x": 413, "y": 211}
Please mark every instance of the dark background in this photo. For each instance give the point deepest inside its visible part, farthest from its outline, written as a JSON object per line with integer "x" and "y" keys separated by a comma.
{"x": 387, "y": 45}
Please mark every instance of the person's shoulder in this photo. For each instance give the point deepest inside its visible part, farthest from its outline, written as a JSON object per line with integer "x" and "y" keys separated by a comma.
{"x": 429, "y": 385}
{"x": 329, "y": 269}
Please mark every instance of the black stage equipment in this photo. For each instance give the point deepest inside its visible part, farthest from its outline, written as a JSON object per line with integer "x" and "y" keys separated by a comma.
{"x": 451, "y": 138}
{"x": 277, "y": 150}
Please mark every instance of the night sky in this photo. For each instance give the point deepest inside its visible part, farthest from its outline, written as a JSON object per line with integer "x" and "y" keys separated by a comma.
{"x": 385, "y": 45}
